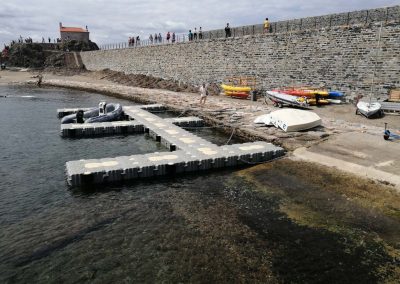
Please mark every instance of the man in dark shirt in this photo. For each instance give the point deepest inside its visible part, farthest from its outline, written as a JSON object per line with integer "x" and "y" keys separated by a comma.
{"x": 227, "y": 30}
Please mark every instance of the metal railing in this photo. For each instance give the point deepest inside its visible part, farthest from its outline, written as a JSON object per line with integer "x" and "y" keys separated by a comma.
{"x": 146, "y": 42}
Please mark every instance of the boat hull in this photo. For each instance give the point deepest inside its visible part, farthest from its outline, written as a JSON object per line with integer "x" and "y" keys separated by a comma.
{"x": 287, "y": 99}
{"x": 291, "y": 120}
{"x": 369, "y": 110}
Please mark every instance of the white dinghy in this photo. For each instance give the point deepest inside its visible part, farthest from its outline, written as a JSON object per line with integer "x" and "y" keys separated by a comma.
{"x": 290, "y": 120}
{"x": 369, "y": 110}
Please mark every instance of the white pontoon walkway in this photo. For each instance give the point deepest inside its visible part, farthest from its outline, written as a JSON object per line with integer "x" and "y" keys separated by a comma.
{"x": 190, "y": 154}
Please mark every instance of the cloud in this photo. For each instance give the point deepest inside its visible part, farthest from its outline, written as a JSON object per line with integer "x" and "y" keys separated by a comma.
{"x": 113, "y": 21}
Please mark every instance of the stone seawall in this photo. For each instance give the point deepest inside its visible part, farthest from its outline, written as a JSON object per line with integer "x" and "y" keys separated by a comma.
{"x": 344, "y": 58}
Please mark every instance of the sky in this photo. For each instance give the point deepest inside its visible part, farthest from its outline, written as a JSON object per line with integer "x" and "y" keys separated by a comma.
{"x": 112, "y": 21}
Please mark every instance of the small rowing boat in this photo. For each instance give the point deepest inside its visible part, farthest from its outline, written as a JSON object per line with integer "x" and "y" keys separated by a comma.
{"x": 369, "y": 110}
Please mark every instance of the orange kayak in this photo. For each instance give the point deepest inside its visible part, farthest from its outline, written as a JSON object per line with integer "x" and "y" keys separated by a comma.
{"x": 304, "y": 92}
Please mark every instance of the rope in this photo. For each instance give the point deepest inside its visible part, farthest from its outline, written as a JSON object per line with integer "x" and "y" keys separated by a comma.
{"x": 230, "y": 138}
{"x": 182, "y": 113}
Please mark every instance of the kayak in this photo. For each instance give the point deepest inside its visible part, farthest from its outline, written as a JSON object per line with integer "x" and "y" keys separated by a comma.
{"x": 297, "y": 93}
{"x": 304, "y": 92}
{"x": 320, "y": 102}
{"x": 237, "y": 94}
{"x": 335, "y": 94}
{"x": 235, "y": 88}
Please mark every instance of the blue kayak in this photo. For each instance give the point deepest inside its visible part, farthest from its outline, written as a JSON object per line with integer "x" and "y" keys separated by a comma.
{"x": 335, "y": 94}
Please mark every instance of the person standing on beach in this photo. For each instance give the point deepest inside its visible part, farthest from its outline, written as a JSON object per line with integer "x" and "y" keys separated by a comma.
{"x": 266, "y": 25}
{"x": 168, "y": 36}
{"x": 39, "y": 82}
{"x": 173, "y": 37}
{"x": 200, "y": 34}
{"x": 203, "y": 94}
{"x": 159, "y": 37}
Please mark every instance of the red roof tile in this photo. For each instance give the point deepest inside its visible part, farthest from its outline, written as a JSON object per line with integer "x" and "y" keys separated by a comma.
{"x": 74, "y": 30}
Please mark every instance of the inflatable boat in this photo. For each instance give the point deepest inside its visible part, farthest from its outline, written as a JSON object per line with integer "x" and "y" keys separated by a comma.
{"x": 105, "y": 112}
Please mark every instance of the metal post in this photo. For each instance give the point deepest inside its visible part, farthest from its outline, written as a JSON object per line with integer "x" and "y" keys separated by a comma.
{"x": 253, "y": 29}
{"x": 366, "y": 18}
{"x": 301, "y": 23}
{"x": 330, "y": 21}
{"x": 387, "y": 15}
{"x": 275, "y": 28}
{"x": 348, "y": 18}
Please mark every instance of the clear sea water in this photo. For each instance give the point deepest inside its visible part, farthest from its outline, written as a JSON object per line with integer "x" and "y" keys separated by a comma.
{"x": 213, "y": 227}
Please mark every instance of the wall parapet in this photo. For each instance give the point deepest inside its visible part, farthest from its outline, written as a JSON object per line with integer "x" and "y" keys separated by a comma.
{"x": 361, "y": 17}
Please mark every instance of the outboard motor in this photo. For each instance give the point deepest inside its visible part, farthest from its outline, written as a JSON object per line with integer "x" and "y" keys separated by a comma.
{"x": 102, "y": 108}
{"x": 79, "y": 116}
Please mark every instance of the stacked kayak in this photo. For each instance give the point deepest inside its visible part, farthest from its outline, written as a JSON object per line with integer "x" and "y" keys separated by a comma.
{"x": 312, "y": 96}
{"x": 242, "y": 92}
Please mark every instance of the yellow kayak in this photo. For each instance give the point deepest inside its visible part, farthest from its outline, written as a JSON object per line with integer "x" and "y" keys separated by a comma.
{"x": 320, "y": 101}
{"x": 235, "y": 88}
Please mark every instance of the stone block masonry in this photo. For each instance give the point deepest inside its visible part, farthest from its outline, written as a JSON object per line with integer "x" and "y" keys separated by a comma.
{"x": 341, "y": 57}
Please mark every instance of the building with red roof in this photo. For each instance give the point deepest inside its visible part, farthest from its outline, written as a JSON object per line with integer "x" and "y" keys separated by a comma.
{"x": 73, "y": 33}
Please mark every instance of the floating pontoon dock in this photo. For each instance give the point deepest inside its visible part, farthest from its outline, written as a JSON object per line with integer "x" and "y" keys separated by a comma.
{"x": 190, "y": 153}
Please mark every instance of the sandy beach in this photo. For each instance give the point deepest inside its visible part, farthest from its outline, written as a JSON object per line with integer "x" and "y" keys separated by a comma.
{"x": 346, "y": 141}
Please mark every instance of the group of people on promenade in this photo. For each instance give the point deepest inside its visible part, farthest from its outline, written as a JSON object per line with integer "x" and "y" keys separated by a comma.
{"x": 266, "y": 28}
{"x": 169, "y": 37}
{"x": 195, "y": 35}
{"x": 56, "y": 40}
{"x": 132, "y": 41}
{"x": 30, "y": 40}
{"x": 192, "y": 35}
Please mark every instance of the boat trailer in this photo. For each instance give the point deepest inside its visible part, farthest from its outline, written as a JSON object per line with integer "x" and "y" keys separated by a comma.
{"x": 387, "y": 135}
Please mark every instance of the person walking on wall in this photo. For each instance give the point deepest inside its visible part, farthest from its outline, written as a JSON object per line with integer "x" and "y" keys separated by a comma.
{"x": 266, "y": 25}
{"x": 190, "y": 35}
{"x": 203, "y": 94}
{"x": 227, "y": 31}
{"x": 195, "y": 34}
{"x": 200, "y": 34}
